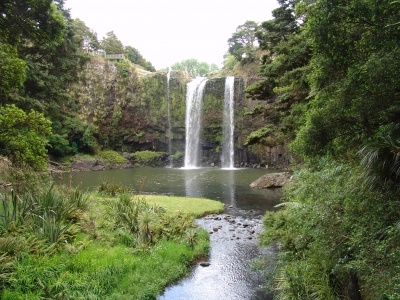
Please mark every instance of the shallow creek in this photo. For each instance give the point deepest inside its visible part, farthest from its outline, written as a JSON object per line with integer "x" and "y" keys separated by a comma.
{"x": 228, "y": 275}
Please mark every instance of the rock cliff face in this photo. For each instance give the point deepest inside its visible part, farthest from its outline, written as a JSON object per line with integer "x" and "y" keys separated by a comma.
{"x": 128, "y": 110}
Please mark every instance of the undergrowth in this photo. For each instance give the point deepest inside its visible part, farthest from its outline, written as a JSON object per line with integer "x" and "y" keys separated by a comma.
{"x": 338, "y": 239}
{"x": 61, "y": 243}
{"x": 147, "y": 156}
{"x": 111, "y": 156}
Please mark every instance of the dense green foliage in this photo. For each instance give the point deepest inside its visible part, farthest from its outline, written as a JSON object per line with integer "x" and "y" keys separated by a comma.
{"x": 111, "y": 44}
{"x": 112, "y": 157}
{"x": 242, "y": 42}
{"x": 285, "y": 68}
{"x": 355, "y": 75}
{"x": 339, "y": 236}
{"x": 42, "y": 52}
{"x": 135, "y": 57}
{"x": 86, "y": 37}
{"x": 23, "y": 137}
{"x": 332, "y": 88}
{"x": 194, "y": 67}
{"x": 145, "y": 156}
{"x": 61, "y": 243}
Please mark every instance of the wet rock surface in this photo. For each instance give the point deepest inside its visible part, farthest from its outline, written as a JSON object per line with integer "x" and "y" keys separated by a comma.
{"x": 225, "y": 227}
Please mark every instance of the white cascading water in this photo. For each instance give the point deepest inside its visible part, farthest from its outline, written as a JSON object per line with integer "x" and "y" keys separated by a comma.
{"x": 194, "y": 99}
{"x": 169, "y": 119}
{"x": 228, "y": 125}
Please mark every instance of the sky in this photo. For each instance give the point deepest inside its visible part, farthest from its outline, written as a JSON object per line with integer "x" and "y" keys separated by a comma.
{"x": 169, "y": 31}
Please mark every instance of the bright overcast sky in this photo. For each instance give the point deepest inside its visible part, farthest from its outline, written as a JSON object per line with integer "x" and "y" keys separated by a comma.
{"x": 169, "y": 31}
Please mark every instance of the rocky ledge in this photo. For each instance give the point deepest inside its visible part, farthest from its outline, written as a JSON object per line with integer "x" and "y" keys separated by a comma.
{"x": 271, "y": 180}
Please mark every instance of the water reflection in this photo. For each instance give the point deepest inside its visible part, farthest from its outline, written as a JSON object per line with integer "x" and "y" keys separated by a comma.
{"x": 228, "y": 189}
{"x": 192, "y": 183}
{"x": 228, "y": 186}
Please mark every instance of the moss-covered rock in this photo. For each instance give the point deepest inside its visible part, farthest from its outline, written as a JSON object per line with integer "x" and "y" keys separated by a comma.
{"x": 127, "y": 109}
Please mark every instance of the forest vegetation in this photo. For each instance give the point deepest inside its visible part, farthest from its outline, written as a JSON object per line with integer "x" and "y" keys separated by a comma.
{"x": 329, "y": 87}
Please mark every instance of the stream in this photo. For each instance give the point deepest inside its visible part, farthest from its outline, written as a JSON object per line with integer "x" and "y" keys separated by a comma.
{"x": 233, "y": 234}
{"x": 228, "y": 276}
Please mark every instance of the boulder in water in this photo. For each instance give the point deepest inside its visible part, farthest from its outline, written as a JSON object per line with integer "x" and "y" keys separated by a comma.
{"x": 204, "y": 264}
{"x": 271, "y": 180}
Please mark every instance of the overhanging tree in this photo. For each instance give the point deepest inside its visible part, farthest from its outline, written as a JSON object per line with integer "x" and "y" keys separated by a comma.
{"x": 241, "y": 44}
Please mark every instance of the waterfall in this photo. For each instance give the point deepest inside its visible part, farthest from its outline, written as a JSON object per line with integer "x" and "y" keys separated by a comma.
{"x": 228, "y": 125}
{"x": 169, "y": 119}
{"x": 194, "y": 98}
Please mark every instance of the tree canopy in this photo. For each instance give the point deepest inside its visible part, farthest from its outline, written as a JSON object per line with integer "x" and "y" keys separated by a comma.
{"x": 331, "y": 87}
{"x": 194, "y": 67}
{"x": 36, "y": 20}
{"x": 111, "y": 44}
{"x": 242, "y": 42}
{"x": 355, "y": 75}
{"x": 285, "y": 67}
{"x": 84, "y": 36}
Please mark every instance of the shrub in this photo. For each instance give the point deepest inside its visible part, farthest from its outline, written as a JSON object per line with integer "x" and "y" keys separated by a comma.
{"x": 177, "y": 155}
{"x": 338, "y": 238}
{"x": 146, "y": 156}
{"x": 49, "y": 212}
{"x": 136, "y": 215}
{"x": 112, "y": 157}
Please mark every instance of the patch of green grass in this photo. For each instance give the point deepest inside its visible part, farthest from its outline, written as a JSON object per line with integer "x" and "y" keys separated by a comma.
{"x": 165, "y": 263}
{"x": 195, "y": 207}
{"x": 102, "y": 257}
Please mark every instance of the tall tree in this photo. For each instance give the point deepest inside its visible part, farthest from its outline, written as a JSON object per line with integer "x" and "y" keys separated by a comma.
{"x": 111, "y": 44}
{"x": 241, "y": 43}
{"x": 49, "y": 66}
{"x": 84, "y": 36}
{"x": 24, "y": 22}
{"x": 356, "y": 75}
{"x": 37, "y": 20}
{"x": 285, "y": 69}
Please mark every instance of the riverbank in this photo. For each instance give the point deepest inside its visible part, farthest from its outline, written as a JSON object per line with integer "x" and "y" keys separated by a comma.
{"x": 109, "y": 160}
{"x": 103, "y": 251}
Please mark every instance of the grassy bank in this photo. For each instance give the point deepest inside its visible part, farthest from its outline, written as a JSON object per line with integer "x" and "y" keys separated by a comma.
{"x": 125, "y": 247}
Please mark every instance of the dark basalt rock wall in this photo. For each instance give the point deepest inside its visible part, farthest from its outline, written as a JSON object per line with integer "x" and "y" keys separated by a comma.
{"x": 128, "y": 110}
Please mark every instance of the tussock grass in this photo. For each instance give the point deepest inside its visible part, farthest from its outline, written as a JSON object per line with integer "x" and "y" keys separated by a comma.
{"x": 103, "y": 257}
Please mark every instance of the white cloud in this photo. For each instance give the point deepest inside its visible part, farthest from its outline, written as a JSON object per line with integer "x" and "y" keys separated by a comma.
{"x": 168, "y": 31}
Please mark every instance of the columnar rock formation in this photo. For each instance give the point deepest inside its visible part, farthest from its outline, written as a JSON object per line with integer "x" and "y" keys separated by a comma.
{"x": 128, "y": 109}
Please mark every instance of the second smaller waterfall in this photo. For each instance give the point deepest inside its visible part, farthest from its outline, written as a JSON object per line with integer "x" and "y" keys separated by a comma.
{"x": 169, "y": 119}
{"x": 228, "y": 126}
